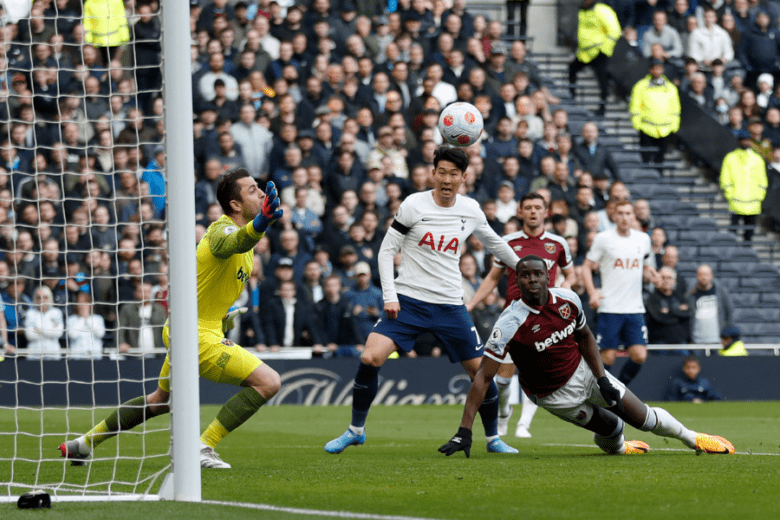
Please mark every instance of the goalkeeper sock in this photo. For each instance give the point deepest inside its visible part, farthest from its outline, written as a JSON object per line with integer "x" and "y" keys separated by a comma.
{"x": 629, "y": 372}
{"x": 363, "y": 393}
{"x": 233, "y": 414}
{"x": 668, "y": 426}
{"x": 503, "y": 384}
{"x": 128, "y": 416}
{"x": 488, "y": 411}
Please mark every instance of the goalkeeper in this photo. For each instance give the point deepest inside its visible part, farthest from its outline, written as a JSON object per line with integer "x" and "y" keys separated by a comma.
{"x": 225, "y": 260}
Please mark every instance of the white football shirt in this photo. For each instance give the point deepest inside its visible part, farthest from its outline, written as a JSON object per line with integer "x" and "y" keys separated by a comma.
{"x": 621, "y": 264}
{"x": 431, "y": 238}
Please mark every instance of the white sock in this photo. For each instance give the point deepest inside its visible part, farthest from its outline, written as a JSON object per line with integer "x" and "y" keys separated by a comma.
{"x": 357, "y": 430}
{"x": 491, "y": 438}
{"x": 503, "y": 384}
{"x": 529, "y": 409}
{"x": 668, "y": 426}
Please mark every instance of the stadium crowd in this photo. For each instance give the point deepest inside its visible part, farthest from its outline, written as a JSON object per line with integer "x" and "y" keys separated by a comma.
{"x": 336, "y": 102}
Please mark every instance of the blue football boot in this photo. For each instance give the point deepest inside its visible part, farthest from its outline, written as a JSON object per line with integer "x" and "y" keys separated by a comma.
{"x": 499, "y": 446}
{"x": 348, "y": 438}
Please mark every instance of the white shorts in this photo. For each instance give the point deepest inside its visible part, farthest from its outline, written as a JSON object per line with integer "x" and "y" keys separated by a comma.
{"x": 575, "y": 400}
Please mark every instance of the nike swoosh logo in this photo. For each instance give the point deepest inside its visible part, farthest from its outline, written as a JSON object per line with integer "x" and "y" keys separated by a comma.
{"x": 425, "y": 219}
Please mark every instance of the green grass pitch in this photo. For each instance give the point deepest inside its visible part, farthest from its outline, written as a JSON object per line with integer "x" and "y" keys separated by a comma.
{"x": 278, "y": 459}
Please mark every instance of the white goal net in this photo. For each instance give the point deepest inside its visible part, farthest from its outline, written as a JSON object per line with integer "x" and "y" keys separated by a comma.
{"x": 83, "y": 242}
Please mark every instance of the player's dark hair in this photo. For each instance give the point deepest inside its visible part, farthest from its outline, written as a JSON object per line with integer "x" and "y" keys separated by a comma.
{"x": 691, "y": 359}
{"x": 228, "y": 189}
{"x": 530, "y": 258}
{"x": 532, "y": 196}
{"x": 454, "y": 155}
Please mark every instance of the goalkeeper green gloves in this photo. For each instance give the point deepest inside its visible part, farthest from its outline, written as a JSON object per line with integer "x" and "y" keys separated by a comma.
{"x": 270, "y": 211}
{"x": 228, "y": 322}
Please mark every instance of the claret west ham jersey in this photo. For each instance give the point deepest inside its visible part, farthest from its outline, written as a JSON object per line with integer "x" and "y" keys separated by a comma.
{"x": 540, "y": 341}
{"x": 549, "y": 246}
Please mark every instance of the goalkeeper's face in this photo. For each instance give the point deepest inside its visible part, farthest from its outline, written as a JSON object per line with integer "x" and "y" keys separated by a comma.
{"x": 251, "y": 197}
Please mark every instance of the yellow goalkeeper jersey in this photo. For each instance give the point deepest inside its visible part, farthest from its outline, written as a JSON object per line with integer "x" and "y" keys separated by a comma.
{"x": 225, "y": 261}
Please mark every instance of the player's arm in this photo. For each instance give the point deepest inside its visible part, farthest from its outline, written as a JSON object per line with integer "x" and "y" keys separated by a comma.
{"x": 590, "y": 352}
{"x": 488, "y": 368}
{"x": 462, "y": 440}
{"x": 587, "y": 278}
{"x": 649, "y": 274}
{"x": 570, "y": 278}
{"x": 499, "y": 247}
{"x": 486, "y": 287}
{"x": 226, "y": 240}
{"x": 391, "y": 244}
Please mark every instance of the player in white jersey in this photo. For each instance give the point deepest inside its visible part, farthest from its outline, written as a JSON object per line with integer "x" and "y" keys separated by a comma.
{"x": 624, "y": 258}
{"x": 429, "y": 230}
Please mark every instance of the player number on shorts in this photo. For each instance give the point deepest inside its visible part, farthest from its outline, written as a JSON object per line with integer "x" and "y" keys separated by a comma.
{"x": 644, "y": 333}
{"x": 476, "y": 334}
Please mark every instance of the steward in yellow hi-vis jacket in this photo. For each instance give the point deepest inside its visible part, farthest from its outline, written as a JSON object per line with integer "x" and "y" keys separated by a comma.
{"x": 597, "y": 33}
{"x": 655, "y": 111}
{"x": 744, "y": 183}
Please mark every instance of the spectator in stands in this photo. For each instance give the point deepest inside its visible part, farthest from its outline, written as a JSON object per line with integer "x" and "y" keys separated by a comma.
{"x": 759, "y": 49}
{"x": 701, "y": 93}
{"x": 594, "y": 157}
{"x": 335, "y": 320}
{"x": 290, "y": 243}
{"x": 44, "y": 325}
{"x": 772, "y": 126}
{"x": 206, "y": 85}
{"x": 141, "y": 322}
{"x": 17, "y": 303}
{"x": 668, "y": 313}
{"x": 644, "y": 216}
{"x": 290, "y": 321}
{"x": 743, "y": 181}
{"x": 655, "y": 110}
{"x": 365, "y": 300}
{"x": 732, "y": 345}
{"x": 710, "y": 42}
{"x": 692, "y": 386}
{"x": 86, "y": 330}
{"x": 662, "y": 34}
{"x": 658, "y": 242}
{"x": 710, "y": 306}
{"x": 764, "y": 83}
{"x": 761, "y": 145}
{"x": 736, "y": 122}
{"x": 597, "y": 33}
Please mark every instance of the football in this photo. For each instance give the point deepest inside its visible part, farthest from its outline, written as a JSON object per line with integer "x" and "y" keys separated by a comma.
{"x": 461, "y": 124}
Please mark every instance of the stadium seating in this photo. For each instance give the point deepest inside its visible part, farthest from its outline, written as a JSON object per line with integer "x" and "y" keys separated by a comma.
{"x": 756, "y": 315}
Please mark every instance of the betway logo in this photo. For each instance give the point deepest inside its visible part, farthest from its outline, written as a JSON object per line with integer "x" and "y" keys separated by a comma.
{"x": 556, "y": 337}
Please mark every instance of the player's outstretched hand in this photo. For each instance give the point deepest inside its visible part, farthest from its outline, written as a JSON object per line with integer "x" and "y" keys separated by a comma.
{"x": 461, "y": 441}
{"x": 229, "y": 321}
{"x": 270, "y": 211}
{"x": 610, "y": 393}
{"x": 392, "y": 309}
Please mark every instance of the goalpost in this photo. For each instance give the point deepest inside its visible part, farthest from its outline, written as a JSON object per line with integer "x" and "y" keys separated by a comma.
{"x": 46, "y": 402}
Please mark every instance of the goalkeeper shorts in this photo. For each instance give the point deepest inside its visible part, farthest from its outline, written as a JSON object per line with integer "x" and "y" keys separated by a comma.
{"x": 219, "y": 359}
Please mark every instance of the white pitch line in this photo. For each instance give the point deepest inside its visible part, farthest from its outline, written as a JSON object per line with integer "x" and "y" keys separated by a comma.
{"x": 313, "y": 512}
{"x": 662, "y": 449}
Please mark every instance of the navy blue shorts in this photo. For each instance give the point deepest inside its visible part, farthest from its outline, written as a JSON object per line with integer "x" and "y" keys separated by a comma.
{"x": 451, "y": 324}
{"x": 614, "y": 330}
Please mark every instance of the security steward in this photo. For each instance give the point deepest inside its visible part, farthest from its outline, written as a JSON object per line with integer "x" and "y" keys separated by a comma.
{"x": 597, "y": 33}
{"x": 655, "y": 112}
